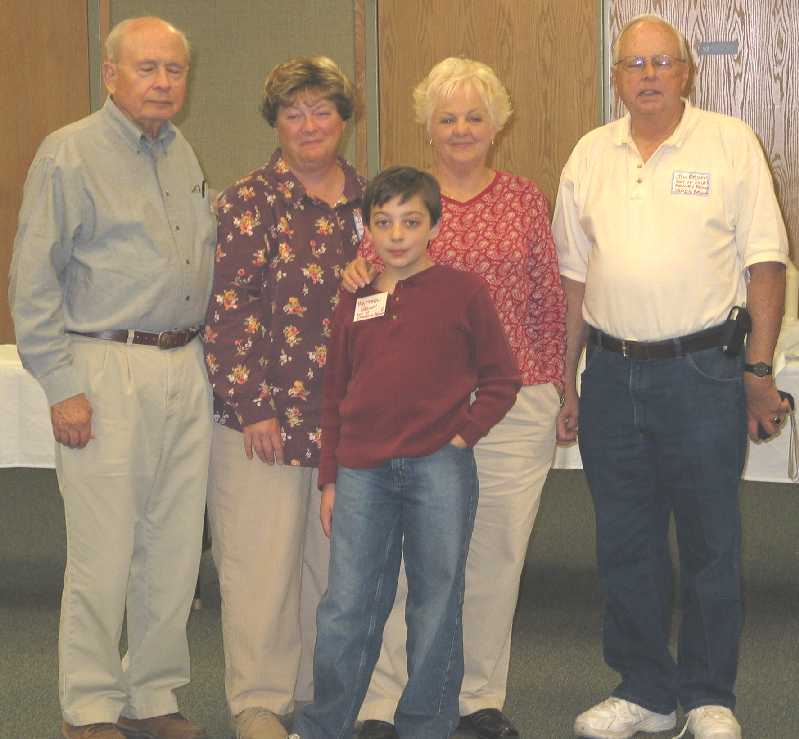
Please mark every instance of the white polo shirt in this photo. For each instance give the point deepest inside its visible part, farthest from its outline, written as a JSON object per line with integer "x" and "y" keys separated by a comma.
{"x": 663, "y": 246}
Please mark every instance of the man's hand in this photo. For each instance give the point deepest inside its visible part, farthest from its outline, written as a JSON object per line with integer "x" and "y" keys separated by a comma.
{"x": 358, "y": 273}
{"x": 458, "y": 442}
{"x": 326, "y": 507}
{"x": 764, "y": 407}
{"x": 72, "y": 421}
{"x": 568, "y": 417}
{"x": 265, "y": 440}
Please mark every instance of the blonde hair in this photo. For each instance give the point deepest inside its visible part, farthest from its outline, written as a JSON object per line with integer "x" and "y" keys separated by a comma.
{"x": 455, "y": 73}
{"x": 302, "y": 73}
{"x": 113, "y": 41}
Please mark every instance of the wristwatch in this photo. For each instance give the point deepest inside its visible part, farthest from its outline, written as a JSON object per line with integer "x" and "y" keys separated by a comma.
{"x": 759, "y": 369}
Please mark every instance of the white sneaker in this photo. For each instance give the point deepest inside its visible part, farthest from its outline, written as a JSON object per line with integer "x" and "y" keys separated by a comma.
{"x": 616, "y": 718}
{"x": 259, "y": 723}
{"x": 712, "y": 722}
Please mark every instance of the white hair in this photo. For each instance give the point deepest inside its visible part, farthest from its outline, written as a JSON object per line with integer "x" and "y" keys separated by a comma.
{"x": 118, "y": 32}
{"x": 650, "y": 18}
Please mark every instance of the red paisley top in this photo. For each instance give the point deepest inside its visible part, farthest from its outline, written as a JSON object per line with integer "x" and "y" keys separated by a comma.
{"x": 503, "y": 235}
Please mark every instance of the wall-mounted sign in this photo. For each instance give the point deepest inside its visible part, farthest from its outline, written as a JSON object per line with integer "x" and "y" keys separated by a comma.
{"x": 717, "y": 48}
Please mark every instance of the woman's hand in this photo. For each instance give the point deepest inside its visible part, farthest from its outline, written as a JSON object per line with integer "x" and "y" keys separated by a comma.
{"x": 265, "y": 440}
{"x": 326, "y": 507}
{"x": 358, "y": 273}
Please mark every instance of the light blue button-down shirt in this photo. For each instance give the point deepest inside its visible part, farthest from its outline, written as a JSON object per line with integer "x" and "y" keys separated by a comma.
{"x": 116, "y": 231}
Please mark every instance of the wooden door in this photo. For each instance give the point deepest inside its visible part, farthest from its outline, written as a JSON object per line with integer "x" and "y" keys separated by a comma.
{"x": 44, "y": 85}
{"x": 747, "y": 65}
{"x": 546, "y": 52}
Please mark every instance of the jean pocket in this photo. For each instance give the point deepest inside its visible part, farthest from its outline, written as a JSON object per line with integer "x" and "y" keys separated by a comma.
{"x": 715, "y": 365}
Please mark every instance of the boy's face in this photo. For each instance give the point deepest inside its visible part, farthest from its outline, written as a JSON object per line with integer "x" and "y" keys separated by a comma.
{"x": 400, "y": 233}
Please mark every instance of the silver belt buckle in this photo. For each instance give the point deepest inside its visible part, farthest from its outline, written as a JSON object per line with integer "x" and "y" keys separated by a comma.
{"x": 166, "y": 339}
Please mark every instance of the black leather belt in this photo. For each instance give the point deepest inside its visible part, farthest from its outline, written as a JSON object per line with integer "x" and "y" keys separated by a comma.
{"x": 667, "y": 349}
{"x": 163, "y": 340}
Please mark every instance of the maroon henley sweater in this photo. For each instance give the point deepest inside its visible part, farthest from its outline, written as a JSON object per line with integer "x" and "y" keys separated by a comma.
{"x": 400, "y": 385}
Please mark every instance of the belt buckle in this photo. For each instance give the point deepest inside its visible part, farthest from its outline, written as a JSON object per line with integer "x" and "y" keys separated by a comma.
{"x": 625, "y": 350}
{"x": 167, "y": 339}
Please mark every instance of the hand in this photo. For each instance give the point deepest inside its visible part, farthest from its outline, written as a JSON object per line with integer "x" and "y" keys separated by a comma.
{"x": 358, "y": 273}
{"x": 458, "y": 442}
{"x": 764, "y": 406}
{"x": 72, "y": 421}
{"x": 265, "y": 440}
{"x": 326, "y": 507}
{"x": 567, "y": 422}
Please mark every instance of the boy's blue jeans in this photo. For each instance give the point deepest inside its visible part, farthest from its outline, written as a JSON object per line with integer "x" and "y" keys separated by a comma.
{"x": 659, "y": 437}
{"x": 423, "y": 509}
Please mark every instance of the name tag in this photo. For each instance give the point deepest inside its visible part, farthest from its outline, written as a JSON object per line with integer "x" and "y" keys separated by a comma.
{"x": 358, "y": 219}
{"x": 690, "y": 183}
{"x": 372, "y": 306}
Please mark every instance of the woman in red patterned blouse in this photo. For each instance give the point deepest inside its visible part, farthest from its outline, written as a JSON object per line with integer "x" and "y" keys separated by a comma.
{"x": 494, "y": 224}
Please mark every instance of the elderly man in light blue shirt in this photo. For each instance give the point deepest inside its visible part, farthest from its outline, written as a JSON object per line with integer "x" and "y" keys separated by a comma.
{"x": 109, "y": 283}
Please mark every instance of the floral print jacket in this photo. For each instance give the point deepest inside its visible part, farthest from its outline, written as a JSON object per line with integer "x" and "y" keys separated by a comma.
{"x": 279, "y": 258}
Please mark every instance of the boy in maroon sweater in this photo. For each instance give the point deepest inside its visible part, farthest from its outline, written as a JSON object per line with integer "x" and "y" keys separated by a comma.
{"x": 418, "y": 369}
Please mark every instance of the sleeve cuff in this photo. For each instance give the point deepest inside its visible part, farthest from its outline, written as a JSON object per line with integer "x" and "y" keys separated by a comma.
{"x": 60, "y": 385}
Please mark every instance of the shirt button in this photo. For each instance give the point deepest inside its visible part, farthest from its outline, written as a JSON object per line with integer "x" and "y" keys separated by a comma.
{"x": 639, "y": 180}
{"x": 177, "y": 228}
{"x": 166, "y": 192}
{"x": 187, "y": 297}
{"x": 640, "y": 165}
{"x": 394, "y": 317}
{"x": 188, "y": 262}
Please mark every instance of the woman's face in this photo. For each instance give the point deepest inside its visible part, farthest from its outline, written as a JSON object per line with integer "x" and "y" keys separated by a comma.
{"x": 309, "y": 129}
{"x": 461, "y": 129}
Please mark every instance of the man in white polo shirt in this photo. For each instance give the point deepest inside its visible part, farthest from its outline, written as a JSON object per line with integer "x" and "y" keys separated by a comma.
{"x": 664, "y": 221}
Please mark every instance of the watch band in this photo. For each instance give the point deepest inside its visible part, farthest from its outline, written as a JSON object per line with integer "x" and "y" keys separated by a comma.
{"x": 759, "y": 369}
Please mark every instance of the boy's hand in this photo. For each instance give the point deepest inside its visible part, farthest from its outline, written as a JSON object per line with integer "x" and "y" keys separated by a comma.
{"x": 358, "y": 273}
{"x": 458, "y": 441}
{"x": 326, "y": 507}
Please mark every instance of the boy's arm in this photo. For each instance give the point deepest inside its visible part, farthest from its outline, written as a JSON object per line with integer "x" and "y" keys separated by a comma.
{"x": 326, "y": 507}
{"x": 337, "y": 374}
{"x": 498, "y": 378}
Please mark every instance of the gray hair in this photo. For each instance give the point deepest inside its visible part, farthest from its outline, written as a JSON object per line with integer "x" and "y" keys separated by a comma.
{"x": 650, "y": 18}
{"x": 118, "y": 32}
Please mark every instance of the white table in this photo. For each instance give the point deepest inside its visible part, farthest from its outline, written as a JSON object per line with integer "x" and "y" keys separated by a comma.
{"x": 26, "y": 438}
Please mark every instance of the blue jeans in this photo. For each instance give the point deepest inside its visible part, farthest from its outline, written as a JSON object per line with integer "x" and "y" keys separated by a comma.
{"x": 423, "y": 509}
{"x": 663, "y": 437}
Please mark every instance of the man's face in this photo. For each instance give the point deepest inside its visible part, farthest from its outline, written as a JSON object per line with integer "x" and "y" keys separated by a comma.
{"x": 650, "y": 92}
{"x": 400, "y": 233}
{"x": 148, "y": 81}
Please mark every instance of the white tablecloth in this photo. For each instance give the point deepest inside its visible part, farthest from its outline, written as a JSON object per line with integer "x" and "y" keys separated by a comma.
{"x": 26, "y": 438}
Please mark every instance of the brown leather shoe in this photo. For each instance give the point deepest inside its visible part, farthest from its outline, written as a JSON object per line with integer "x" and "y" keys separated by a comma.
{"x": 91, "y": 731}
{"x": 169, "y": 726}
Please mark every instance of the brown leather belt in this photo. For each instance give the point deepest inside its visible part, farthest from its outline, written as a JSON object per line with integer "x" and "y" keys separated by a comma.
{"x": 163, "y": 340}
{"x": 667, "y": 349}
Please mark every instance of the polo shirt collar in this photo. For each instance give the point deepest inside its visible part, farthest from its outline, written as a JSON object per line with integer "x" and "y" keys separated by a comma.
{"x": 684, "y": 127}
{"x": 132, "y": 134}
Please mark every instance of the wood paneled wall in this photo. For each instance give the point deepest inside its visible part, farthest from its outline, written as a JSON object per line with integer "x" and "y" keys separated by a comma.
{"x": 546, "y": 52}
{"x": 44, "y": 85}
{"x": 759, "y": 84}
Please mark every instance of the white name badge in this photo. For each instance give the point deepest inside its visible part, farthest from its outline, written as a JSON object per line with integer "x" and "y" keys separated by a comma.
{"x": 690, "y": 183}
{"x": 371, "y": 306}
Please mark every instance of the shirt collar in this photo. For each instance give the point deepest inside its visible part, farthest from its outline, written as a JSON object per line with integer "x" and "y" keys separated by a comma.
{"x": 132, "y": 134}
{"x": 293, "y": 189}
{"x": 677, "y": 138}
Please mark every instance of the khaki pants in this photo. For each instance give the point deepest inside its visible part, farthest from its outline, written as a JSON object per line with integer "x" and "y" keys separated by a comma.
{"x": 512, "y": 464}
{"x": 133, "y": 499}
{"x": 272, "y": 558}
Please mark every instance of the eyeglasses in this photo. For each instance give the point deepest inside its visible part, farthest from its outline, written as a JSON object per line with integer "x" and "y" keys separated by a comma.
{"x": 637, "y": 64}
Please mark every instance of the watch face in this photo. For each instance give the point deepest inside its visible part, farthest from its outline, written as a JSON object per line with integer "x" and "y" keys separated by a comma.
{"x": 761, "y": 369}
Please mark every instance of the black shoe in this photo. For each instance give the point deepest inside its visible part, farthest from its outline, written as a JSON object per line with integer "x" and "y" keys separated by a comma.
{"x": 489, "y": 723}
{"x": 373, "y": 729}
